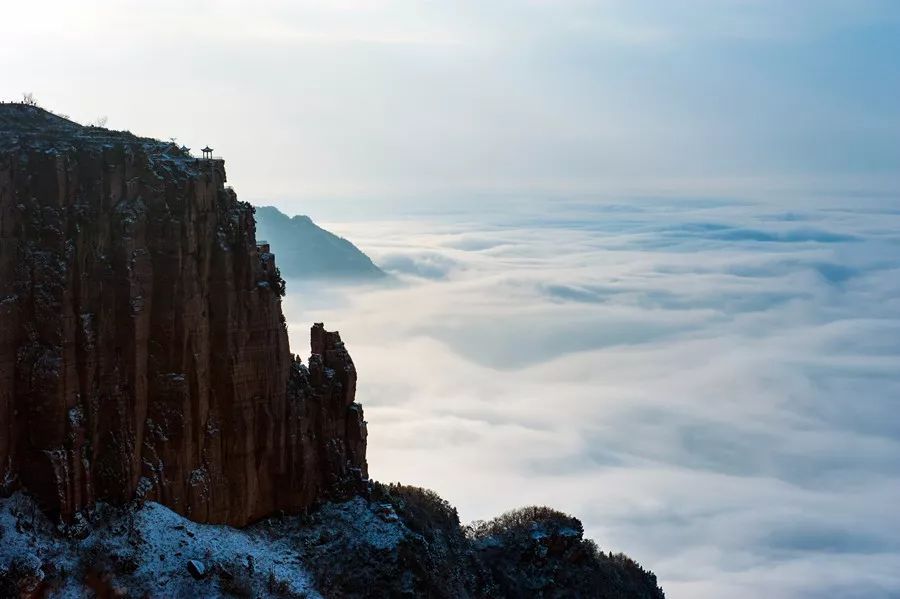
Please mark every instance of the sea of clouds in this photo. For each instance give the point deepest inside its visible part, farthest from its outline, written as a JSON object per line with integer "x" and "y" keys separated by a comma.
{"x": 713, "y": 387}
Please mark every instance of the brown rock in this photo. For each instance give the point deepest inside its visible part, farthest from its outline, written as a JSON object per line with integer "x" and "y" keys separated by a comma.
{"x": 143, "y": 351}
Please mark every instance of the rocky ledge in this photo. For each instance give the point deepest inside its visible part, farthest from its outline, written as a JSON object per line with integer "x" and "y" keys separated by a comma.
{"x": 393, "y": 541}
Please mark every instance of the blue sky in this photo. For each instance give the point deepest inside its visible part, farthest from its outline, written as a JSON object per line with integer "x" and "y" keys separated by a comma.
{"x": 361, "y": 99}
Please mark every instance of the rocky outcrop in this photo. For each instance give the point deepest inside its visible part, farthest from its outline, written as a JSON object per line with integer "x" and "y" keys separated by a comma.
{"x": 396, "y": 542}
{"x": 408, "y": 542}
{"x": 143, "y": 351}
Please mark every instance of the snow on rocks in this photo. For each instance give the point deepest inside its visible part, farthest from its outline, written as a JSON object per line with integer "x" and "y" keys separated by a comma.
{"x": 149, "y": 550}
{"x": 144, "y": 550}
{"x": 196, "y": 568}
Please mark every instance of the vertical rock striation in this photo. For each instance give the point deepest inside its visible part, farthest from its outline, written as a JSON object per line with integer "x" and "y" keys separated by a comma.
{"x": 143, "y": 351}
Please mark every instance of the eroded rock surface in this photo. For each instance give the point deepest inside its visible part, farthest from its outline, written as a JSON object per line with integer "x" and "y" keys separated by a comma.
{"x": 143, "y": 351}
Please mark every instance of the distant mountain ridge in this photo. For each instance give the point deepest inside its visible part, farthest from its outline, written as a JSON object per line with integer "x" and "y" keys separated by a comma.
{"x": 306, "y": 250}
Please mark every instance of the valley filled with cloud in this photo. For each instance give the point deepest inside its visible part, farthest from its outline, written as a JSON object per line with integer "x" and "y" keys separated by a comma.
{"x": 711, "y": 385}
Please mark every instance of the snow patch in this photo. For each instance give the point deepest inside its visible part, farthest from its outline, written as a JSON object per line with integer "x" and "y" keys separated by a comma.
{"x": 148, "y": 550}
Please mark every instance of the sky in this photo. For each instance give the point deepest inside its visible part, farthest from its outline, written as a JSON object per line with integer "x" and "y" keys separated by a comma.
{"x": 645, "y": 255}
{"x": 314, "y": 100}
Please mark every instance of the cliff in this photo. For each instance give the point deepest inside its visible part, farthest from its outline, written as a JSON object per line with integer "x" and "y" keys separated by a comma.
{"x": 308, "y": 251}
{"x": 143, "y": 351}
{"x": 148, "y": 400}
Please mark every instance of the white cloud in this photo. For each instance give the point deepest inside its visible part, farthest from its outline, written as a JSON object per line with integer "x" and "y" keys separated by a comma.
{"x": 708, "y": 385}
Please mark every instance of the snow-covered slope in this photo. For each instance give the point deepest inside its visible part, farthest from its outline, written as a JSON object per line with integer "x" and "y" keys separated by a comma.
{"x": 146, "y": 549}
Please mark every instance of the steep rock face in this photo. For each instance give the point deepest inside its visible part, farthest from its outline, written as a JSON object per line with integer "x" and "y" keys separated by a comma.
{"x": 143, "y": 351}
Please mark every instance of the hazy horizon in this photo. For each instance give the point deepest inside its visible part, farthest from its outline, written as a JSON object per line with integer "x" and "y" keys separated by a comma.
{"x": 359, "y": 99}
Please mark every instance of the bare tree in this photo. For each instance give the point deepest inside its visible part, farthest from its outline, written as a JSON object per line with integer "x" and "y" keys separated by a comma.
{"x": 99, "y": 122}
{"x": 28, "y": 99}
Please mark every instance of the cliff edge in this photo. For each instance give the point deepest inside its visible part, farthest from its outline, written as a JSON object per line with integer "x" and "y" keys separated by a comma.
{"x": 143, "y": 351}
{"x": 149, "y": 399}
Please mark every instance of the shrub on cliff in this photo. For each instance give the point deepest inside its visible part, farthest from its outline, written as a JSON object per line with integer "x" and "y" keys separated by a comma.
{"x": 278, "y": 283}
{"x": 421, "y": 509}
{"x": 538, "y": 551}
{"x": 436, "y": 553}
{"x": 520, "y": 519}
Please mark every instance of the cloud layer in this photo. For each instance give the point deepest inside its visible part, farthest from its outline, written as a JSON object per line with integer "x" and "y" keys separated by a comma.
{"x": 711, "y": 386}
